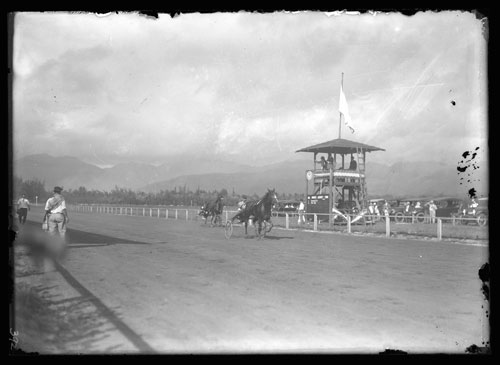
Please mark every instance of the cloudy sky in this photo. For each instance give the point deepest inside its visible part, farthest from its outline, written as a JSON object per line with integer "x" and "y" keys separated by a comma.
{"x": 247, "y": 87}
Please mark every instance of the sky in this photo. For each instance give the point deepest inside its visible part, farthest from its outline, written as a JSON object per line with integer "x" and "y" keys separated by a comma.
{"x": 248, "y": 87}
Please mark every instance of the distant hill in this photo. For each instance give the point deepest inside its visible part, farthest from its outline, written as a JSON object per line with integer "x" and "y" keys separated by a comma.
{"x": 72, "y": 173}
{"x": 286, "y": 177}
{"x": 400, "y": 179}
{"x": 65, "y": 171}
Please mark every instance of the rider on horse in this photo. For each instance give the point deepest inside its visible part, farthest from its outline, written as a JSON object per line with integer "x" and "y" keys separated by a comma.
{"x": 259, "y": 211}
{"x": 213, "y": 209}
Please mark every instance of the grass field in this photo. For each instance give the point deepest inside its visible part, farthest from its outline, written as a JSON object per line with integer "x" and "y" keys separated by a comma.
{"x": 157, "y": 285}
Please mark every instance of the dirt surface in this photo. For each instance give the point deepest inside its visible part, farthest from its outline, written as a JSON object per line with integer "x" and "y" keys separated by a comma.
{"x": 141, "y": 284}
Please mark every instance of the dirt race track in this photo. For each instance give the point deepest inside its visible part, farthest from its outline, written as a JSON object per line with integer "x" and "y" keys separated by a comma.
{"x": 137, "y": 284}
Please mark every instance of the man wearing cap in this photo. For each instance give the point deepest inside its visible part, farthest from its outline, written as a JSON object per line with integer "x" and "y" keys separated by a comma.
{"x": 55, "y": 210}
{"x": 432, "y": 211}
{"x": 23, "y": 205}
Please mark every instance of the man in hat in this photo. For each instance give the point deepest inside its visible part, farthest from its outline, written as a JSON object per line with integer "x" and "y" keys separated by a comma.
{"x": 57, "y": 216}
{"x": 23, "y": 205}
{"x": 432, "y": 210}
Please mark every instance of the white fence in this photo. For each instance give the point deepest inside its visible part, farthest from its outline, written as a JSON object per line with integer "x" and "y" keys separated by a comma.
{"x": 381, "y": 225}
{"x": 141, "y": 211}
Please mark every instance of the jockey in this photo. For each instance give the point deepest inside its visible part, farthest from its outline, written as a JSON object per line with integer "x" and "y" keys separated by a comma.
{"x": 242, "y": 204}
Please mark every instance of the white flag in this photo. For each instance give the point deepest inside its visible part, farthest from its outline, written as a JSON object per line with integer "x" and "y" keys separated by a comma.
{"x": 345, "y": 110}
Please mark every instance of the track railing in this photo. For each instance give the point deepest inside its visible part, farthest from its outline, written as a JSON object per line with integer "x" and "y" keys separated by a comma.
{"x": 382, "y": 225}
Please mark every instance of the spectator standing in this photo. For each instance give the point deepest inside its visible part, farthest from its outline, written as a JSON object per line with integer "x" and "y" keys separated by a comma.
{"x": 371, "y": 208}
{"x": 324, "y": 164}
{"x": 23, "y": 206}
{"x": 301, "y": 210}
{"x": 57, "y": 217}
{"x": 432, "y": 211}
{"x": 387, "y": 209}
{"x": 331, "y": 162}
{"x": 473, "y": 205}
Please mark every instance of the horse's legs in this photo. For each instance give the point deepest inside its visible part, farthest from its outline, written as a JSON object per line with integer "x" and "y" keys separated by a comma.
{"x": 271, "y": 225}
{"x": 259, "y": 235}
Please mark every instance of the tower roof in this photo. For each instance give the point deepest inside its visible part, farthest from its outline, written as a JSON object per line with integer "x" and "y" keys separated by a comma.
{"x": 339, "y": 145}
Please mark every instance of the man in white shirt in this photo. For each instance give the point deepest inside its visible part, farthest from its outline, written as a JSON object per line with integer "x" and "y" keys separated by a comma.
{"x": 23, "y": 205}
{"x": 474, "y": 205}
{"x": 301, "y": 209}
{"x": 432, "y": 210}
{"x": 55, "y": 211}
{"x": 371, "y": 208}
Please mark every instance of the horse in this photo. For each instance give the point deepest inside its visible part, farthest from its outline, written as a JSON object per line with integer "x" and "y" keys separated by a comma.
{"x": 244, "y": 214}
{"x": 213, "y": 209}
{"x": 260, "y": 212}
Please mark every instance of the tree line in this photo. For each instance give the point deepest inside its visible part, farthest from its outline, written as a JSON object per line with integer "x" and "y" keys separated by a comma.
{"x": 180, "y": 195}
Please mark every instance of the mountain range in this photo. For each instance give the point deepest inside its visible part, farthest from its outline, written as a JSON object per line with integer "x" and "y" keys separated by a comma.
{"x": 399, "y": 179}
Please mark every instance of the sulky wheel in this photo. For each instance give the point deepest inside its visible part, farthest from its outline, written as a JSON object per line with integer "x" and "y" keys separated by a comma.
{"x": 228, "y": 229}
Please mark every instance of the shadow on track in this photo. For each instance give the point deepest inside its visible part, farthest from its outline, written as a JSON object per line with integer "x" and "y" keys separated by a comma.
{"x": 75, "y": 238}
{"x": 85, "y": 313}
{"x": 278, "y": 238}
{"x": 275, "y": 238}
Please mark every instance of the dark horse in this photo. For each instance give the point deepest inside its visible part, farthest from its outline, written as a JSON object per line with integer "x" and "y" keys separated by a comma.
{"x": 260, "y": 212}
{"x": 213, "y": 209}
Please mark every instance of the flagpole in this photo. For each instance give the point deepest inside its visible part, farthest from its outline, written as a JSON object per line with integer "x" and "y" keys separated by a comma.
{"x": 340, "y": 114}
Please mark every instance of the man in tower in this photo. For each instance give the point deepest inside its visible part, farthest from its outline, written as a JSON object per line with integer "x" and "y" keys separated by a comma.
{"x": 353, "y": 165}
